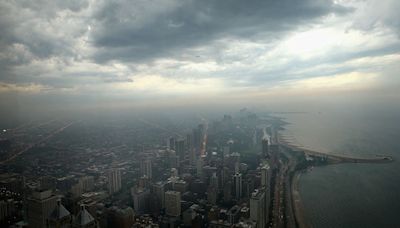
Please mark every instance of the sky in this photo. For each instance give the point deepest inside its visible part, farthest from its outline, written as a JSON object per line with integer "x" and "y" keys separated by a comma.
{"x": 87, "y": 53}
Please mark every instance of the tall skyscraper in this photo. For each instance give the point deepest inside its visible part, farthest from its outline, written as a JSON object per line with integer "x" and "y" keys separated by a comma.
{"x": 171, "y": 143}
{"x": 146, "y": 168}
{"x": 199, "y": 167}
{"x": 114, "y": 180}
{"x": 180, "y": 148}
{"x": 265, "y": 148}
{"x": 140, "y": 197}
{"x": 158, "y": 189}
{"x": 265, "y": 175}
{"x": 257, "y": 207}
{"x": 237, "y": 183}
{"x": 266, "y": 185}
{"x": 40, "y": 205}
{"x": 173, "y": 203}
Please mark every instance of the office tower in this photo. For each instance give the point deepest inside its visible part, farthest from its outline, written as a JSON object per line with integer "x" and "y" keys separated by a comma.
{"x": 211, "y": 195}
{"x": 265, "y": 175}
{"x": 214, "y": 181}
{"x": 87, "y": 183}
{"x": 40, "y": 205}
{"x": 199, "y": 167}
{"x": 146, "y": 168}
{"x": 237, "y": 183}
{"x": 171, "y": 143}
{"x": 257, "y": 207}
{"x": 60, "y": 217}
{"x": 274, "y": 151}
{"x": 266, "y": 185}
{"x": 180, "y": 148}
{"x": 173, "y": 160}
{"x": 114, "y": 180}
{"x": 140, "y": 198}
{"x": 84, "y": 219}
{"x": 227, "y": 192}
{"x": 158, "y": 189}
{"x": 173, "y": 203}
{"x": 265, "y": 152}
{"x": 7, "y": 209}
{"x": 189, "y": 141}
{"x": 192, "y": 156}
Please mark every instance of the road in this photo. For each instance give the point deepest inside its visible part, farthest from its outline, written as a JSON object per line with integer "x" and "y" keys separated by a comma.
{"x": 30, "y": 146}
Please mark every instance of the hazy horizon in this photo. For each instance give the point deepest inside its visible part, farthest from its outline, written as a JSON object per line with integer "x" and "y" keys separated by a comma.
{"x": 151, "y": 55}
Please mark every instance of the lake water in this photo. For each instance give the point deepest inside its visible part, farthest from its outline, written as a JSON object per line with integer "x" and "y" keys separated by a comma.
{"x": 350, "y": 195}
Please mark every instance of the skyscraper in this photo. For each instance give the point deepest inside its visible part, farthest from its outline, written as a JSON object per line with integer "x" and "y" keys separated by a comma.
{"x": 114, "y": 180}
{"x": 266, "y": 185}
{"x": 180, "y": 148}
{"x": 140, "y": 197}
{"x": 60, "y": 217}
{"x": 171, "y": 143}
{"x": 257, "y": 207}
{"x": 146, "y": 168}
{"x": 40, "y": 205}
{"x": 237, "y": 183}
{"x": 265, "y": 148}
{"x": 173, "y": 203}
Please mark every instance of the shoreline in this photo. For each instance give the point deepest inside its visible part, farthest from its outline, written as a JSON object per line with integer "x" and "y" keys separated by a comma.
{"x": 297, "y": 204}
{"x": 334, "y": 158}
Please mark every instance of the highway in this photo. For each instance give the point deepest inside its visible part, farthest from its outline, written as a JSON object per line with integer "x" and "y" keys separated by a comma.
{"x": 30, "y": 146}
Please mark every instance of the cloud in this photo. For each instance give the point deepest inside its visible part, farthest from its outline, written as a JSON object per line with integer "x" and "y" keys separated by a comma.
{"x": 143, "y": 30}
{"x": 140, "y": 48}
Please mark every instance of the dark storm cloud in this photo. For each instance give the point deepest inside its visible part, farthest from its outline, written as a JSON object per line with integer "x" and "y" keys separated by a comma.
{"x": 142, "y": 30}
{"x": 35, "y": 30}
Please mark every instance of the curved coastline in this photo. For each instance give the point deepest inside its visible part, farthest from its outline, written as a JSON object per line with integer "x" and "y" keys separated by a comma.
{"x": 297, "y": 205}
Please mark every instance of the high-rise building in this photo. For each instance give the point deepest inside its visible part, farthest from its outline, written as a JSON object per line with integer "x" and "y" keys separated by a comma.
{"x": 211, "y": 195}
{"x": 60, "y": 217}
{"x": 87, "y": 183}
{"x": 237, "y": 183}
{"x": 40, "y": 205}
{"x": 265, "y": 152}
{"x": 146, "y": 168}
{"x": 265, "y": 175}
{"x": 173, "y": 160}
{"x": 180, "y": 148}
{"x": 173, "y": 203}
{"x": 158, "y": 189}
{"x": 114, "y": 180}
{"x": 140, "y": 199}
{"x": 214, "y": 181}
{"x": 266, "y": 185}
{"x": 171, "y": 143}
{"x": 189, "y": 141}
{"x": 257, "y": 207}
{"x": 199, "y": 167}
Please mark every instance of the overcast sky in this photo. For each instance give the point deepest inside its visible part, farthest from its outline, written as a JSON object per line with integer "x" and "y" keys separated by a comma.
{"x": 155, "y": 50}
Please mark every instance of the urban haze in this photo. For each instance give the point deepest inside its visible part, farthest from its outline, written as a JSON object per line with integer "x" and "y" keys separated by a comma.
{"x": 200, "y": 113}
